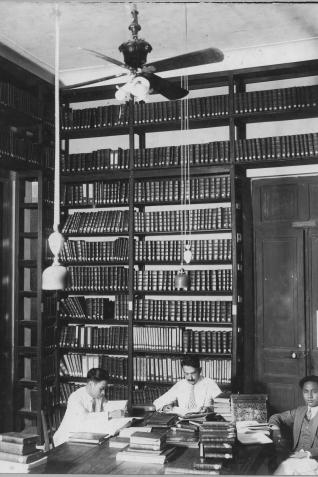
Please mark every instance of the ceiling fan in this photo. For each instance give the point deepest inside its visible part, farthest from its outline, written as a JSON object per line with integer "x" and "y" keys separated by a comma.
{"x": 141, "y": 77}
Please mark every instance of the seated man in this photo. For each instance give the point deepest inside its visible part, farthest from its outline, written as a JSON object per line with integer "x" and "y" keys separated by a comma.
{"x": 192, "y": 394}
{"x": 87, "y": 399}
{"x": 303, "y": 422}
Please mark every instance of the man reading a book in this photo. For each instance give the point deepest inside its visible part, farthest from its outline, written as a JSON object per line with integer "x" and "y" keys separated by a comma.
{"x": 192, "y": 394}
{"x": 303, "y": 423}
{"x": 87, "y": 399}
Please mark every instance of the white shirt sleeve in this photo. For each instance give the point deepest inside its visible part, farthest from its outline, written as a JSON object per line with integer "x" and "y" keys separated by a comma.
{"x": 167, "y": 398}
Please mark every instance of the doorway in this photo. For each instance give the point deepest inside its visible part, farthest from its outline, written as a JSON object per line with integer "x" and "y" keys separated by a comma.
{"x": 285, "y": 217}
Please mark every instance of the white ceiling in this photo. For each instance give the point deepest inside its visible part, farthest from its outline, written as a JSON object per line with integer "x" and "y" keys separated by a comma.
{"x": 248, "y": 33}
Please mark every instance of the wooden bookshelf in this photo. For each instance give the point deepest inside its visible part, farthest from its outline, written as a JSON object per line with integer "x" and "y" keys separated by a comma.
{"x": 95, "y": 181}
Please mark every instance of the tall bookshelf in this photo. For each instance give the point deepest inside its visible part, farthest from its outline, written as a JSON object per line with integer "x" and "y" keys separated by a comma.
{"x": 122, "y": 215}
{"x": 26, "y": 101}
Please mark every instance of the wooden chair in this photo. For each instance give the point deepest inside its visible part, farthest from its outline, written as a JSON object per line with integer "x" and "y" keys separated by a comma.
{"x": 51, "y": 420}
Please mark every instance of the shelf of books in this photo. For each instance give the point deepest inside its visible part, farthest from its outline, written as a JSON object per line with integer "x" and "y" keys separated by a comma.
{"x": 125, "y": 222}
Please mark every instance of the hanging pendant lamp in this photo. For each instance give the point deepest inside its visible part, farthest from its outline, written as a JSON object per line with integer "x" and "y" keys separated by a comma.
{"x": 54, "y": 277}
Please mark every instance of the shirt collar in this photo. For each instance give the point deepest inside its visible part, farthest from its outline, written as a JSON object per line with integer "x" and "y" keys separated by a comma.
{"x": 314, "y": 411}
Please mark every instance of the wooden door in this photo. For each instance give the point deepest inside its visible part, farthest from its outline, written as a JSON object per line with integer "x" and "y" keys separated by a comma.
{"x": 281, "y": 346}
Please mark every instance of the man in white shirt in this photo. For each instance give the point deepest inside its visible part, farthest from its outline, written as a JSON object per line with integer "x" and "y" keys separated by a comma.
{"x": 85, "y": 400}
{"x": 194, "y": 393}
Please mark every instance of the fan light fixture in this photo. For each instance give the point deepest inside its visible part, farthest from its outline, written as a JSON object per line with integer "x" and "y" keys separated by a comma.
{"x": 53, "y": 277}
{"x": 138, "y": 87}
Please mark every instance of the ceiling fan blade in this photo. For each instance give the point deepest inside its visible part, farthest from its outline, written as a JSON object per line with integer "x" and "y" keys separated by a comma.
{"x": 105, "y": 57}
{"x": 194, "y": 58}
{"x": 165, "y": 87}
{"x": 98, "y": 80}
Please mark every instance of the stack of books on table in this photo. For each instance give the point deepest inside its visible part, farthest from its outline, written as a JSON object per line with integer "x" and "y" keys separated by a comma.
{"x": 18, "y": 452}
{"x": 216, "y": 444}
{"x": 184, "y": 434}
{"x": 222, "y": 407}
{"x": 147, "y": 447}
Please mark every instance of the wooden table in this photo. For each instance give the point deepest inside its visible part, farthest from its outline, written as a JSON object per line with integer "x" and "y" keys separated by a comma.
{"x": 100, "y": 459}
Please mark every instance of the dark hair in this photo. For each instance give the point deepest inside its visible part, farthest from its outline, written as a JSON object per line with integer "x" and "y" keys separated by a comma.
{"x": 192, "y": 361}
{"x": 97, "y": 374}
{"x": 306, "y": 379}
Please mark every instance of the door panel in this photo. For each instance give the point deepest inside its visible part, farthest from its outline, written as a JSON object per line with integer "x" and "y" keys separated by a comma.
{"x": 313, "y": 300}
{"x": 280, "y": 325}
{"x": 279, "y": 289}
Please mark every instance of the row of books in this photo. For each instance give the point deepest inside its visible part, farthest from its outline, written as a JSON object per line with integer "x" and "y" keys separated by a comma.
{"x": 104, "y": 309}
{"x": 78, "y": 365}
{"x": 254, "y": 149}
{"x": 87, "y": 251}
{"x": 146, "y": 394}
{"x": 145, "y": 368}
{"x": 177, "y": 339}
{"x": 194, "y": 220}
{"x": 118, "y": 159}
{"x": 78, "y": 251}
{"x": 116, "y": 221}
{"x": 196, "y": 341}
{"x": 168, "y": 369}
{"x": 172, "y": 190}
{"x": 95, "y": 193}
{"x": 173, "y": 250}
{"x": 113, "y": 338}
{"x": 116, "y": 193}
{"x": 283, "y": 99}
{"x": 101, "y": 309}
{"x": 199, "y": 280}
{"x": 115, "y": 279}
{"x": 19, "y": 99}
{"x": 97, "y": 278}
{"x": 13, "y": 146}
{"x": 103, "y": 221}
{"x": 184, "y": 311}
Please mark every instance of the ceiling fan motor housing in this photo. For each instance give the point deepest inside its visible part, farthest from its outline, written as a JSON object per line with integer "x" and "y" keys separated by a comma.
{"x": 135, "y": 52}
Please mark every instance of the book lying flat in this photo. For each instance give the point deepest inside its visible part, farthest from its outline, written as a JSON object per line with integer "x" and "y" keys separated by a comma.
{"x": 18, "y": 468}
{"x": 128, "y": 431}
{"x": 145, "y": 457}
{"x": 118, "y": 442}
{"x": 88, "y": 437}
{"x": 22, "y": 459}
{"x": 20, "y": 438}
{"x": 17, "y": 448}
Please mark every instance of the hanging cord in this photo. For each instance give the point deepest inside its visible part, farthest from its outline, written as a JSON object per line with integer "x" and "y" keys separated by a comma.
{"x": 186, "y": 156}
{"x": 56, "y": 221}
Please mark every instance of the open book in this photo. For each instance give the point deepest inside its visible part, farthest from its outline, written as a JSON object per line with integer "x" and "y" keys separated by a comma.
{"x": 98, "y": 423}
{"x": 253, "y": 432}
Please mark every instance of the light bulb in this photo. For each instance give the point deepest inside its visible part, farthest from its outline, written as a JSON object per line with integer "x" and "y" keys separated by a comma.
{"x": 122, "y": 94}
{"x": 139, "y": 88}
{"x": 56, "y": 242}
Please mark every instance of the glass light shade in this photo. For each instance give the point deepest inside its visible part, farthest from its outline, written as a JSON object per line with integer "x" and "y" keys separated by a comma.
{"x": 181, "y": 280}
{"x": 139, "y": 88}
{"x": 187, "y": 254}
{"x": 54, "y": 277}
{"x": 56, "y": 242}
{"x": 122, "y": 94}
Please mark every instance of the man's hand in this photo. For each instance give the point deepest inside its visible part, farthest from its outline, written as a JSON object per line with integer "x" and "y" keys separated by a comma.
{"x": 167, "y": 408}
{"x": 301, "y": 454}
